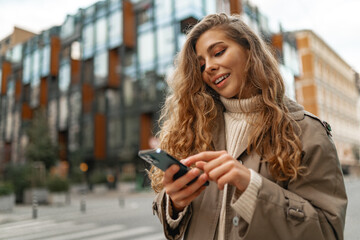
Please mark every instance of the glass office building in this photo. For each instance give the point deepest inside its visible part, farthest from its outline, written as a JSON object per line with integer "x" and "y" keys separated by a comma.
{"x": 100, "y": 77}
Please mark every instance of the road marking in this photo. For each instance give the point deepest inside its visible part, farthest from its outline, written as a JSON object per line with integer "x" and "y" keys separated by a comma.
{"x": 156, "y": 236}
{"x": 123, "y": 234}
{"x": 89, "y": 233}
{"x": 54, "y": 232}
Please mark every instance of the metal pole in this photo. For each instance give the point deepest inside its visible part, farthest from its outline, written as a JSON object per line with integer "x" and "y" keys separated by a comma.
{"x": 83, "y": 202}
{"x": 34, "y": 205}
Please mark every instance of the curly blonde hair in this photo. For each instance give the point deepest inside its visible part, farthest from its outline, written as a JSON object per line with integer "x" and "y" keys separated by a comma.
{"x": 191, "y": 106}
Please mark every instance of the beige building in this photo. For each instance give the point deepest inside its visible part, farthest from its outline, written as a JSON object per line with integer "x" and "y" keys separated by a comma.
{"x": 328, "y": 87}
{"x": 19, "y": 35}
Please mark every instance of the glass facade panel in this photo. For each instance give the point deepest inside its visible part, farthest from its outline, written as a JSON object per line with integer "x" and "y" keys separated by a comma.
{"x": 74, "y": 118}
{"x": 35, "y": 81}
{"x": 75, "y": 50}
{"x": 210, "y": 6}
{"x": 114, "y": 133}
{"x": 163, "y": 11}
{"x": 52, "y": 119}
{"x": 35, "y": 96}
{"x": 101, "y": 33}
{"x": 101, "y": 68}
{"x": 145, "y": 17}
{"x": 100, "y": 102}
{"x": 115, "y": 29}
{"x": 145, "y": 48}
{"x": 67, "y": 29}
{"x": 132, "y": 134}
{"x": 88, "y": 135}
{"x": 16, "y": 54}
{"x": 165, "y": 43}
{"x": 129, "y": 91}
{"x": 64, "y": 77}
{"x": 45, "y": 61}
{"x": 88, "y": 40}
{"x": 63, "y": 113}
{"x": 27, "y": 69}
{"x": 113, "y": 99}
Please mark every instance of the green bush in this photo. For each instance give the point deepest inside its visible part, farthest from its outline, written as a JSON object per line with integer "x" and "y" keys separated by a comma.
{"x": 6, "y": 188}
{"x": 20, "y": 177}
{"x": 98, "y": 177}
{"x": 57, "y": 184}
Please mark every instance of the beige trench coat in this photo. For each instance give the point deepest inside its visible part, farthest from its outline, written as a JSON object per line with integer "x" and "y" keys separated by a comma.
{"x": 312, "y": 207}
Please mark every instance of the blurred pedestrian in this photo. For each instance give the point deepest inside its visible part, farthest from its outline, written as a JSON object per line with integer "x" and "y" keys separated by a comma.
{"x": 273, "y": 168}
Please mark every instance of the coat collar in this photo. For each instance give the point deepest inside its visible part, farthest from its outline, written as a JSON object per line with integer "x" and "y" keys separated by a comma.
{"x": 296, "y": 112}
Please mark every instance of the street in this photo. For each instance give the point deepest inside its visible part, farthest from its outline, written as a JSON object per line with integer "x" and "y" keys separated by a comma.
{"x": 110, "y": 215}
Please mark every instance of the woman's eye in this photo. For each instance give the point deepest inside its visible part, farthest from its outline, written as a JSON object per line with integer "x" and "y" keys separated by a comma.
{"x": 219, "y": 53}
{"x": 202, "y": 67}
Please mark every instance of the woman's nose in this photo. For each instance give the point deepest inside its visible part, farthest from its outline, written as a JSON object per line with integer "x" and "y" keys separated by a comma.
{"x": 211, "y": 66}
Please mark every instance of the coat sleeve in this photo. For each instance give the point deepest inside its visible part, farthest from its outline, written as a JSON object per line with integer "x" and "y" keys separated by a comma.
{"x": 159, "y": 208}
{"x": 311, "y": 207}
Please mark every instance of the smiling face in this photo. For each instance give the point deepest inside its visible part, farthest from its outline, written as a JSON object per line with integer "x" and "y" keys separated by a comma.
{"x": 222, "y": 63}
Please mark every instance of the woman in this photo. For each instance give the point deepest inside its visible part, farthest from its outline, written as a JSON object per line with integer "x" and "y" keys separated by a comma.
{"x": 272, "y": 167}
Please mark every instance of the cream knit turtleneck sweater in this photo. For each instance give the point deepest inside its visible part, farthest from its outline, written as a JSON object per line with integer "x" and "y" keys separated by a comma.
{"x": 239, "y": 116}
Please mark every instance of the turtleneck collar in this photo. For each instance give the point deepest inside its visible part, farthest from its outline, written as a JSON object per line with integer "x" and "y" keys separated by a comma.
{"x": 248, "y": 105}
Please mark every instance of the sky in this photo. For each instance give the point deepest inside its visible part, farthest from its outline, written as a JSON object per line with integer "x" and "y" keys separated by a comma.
{"x": 335, "y": 21}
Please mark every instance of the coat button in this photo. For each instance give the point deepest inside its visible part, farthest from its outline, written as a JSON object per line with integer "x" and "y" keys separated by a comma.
{"x": 236, "y": 221}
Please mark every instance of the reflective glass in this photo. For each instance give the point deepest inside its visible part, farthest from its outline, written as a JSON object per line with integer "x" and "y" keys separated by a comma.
{"x": 88, "y": 40}
{"x": 64, "y": 77}
{"x": 132, "y": 126}
{"x": 45, "y": 61}
{"x": 114, "y": 133}
{"x": 115, "y": 29}
{"x": 88, "y": 135}
{"x": 52, "y": 116}
{"x": 76, "y": 50}
{"x": 113, "y": 99}
{"x": 67, "y": 29}
{"x": 63, "y": 112}
{"x": 74, "y": 125}
{"x": 16, "y": 54}
{"x": 146, "y": 51}
{"x": 165, "y": 42}
{"x": 100, "y": 102}
{"x": 36, "y": 68}
{"x": 210, "y": 6}
{"x": 163, "y": 10}
{"x": 129, "y": 90}
{"x": 101, "y": 33}
{"x": 101, "y": 67}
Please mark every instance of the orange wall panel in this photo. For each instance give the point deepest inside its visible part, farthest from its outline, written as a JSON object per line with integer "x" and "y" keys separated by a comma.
{"x": 6, "y": 71}
{"x": 18, "y": 89}
{"x": 26, "y": 112}
{"x": 307, "y": 61}
{"x": 302, "y": 42}
{"x": 54, "y": 56}
{"x": 114, "y": 62}
{"x": 145, "y": 130}
{"x": 75, "y": 71}
{"x": 87, "y": 97}
{"x": 235, "y": 7}
{"x": 43, "y": 92}
{"x": 129, "y": 24}
{"x": 100, "y": 137}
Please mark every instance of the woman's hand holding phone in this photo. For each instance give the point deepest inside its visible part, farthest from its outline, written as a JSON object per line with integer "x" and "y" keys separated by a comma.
{"x": 179, "y": 192}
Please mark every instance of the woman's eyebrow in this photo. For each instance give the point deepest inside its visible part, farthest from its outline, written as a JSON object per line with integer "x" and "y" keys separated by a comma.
{"x": 211, "y": 47}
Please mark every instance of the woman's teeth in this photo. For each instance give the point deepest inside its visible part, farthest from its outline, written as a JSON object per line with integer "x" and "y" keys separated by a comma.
{"x": 220, "y": 79}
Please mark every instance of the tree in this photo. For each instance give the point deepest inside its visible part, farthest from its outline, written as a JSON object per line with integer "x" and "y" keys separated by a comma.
{"x": 40, "y": 147}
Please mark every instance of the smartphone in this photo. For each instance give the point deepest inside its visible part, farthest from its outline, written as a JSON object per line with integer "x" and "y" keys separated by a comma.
{"x": 162, "y": 160}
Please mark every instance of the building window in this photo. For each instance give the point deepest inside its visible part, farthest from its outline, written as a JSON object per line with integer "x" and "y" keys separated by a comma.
{"x": 63, "y": 113}
{"x": 88, "y": 41}
{"x": 101, "y": 67}
{"x": 113, "y": 99}
{"x": 114, "y": 133}
{"x": 165, "y": 43}
{"x": 74, "y": 118}
{"x": 35, "y": 68}
{"x": 64, "y": 77}
{"x": 146, "y": 51}
{"x": 45, "y": 61}
{"x": 163, "y": 11}
{"x": 129, "y": 91}
{"x": 100, "y": 102}
{"x": 132, "y": 125}
{"x": 101, "y": 33}
{"x": 88, "y": 135}
{"x": 67, "y": 29}
{"x": 115, "y": 29}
